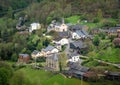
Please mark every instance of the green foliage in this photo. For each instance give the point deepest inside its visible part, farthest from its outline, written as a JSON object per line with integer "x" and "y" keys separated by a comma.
{"x": 96, "y": 40}
{"x": 62, "y": 61}
{"x": 109, "y": 54}
{"x": 5, "y": 73}
{"x": 3, "y": 76}
{"x": 14, "y": 57}
{"x": 19, "y": 78}
{"x": 72, "y": 19}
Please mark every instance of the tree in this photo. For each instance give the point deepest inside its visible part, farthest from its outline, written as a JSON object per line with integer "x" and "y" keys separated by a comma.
{"x": 99, "y": 14}
{"x": 14, "y": 57}
{"x": 96, "y": 40}
{"x": 5, "y": 73}
{"x": 19, "y": 79}
{"x": 62, "y": 61}
{"x": 3, "y": 76}
{"x": 10, "y": 13}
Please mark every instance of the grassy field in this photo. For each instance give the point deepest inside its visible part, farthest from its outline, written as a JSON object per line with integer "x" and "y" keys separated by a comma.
{"x": 41, "y": 77}
{"x": 75, "y": 19}
{"x": 72, "y": 19}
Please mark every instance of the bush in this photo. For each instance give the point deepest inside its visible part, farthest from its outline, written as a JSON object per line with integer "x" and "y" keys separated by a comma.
{"x": 96, "y": 20}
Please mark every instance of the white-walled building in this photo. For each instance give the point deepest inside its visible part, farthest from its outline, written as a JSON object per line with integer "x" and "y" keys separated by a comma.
{"x": 74, "y": 57}
{"x": 36, "y": 54}
{"x": 49, "y": 50}
{"x": 61, "y": 41}
{"x": 34, "y": 26}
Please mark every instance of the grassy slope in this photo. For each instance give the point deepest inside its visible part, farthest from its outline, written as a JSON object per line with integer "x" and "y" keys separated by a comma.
{"x": 41, "y": 77}
{"x": 75, "y": 19}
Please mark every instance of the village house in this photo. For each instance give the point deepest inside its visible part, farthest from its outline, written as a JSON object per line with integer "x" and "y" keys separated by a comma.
{"x": 64, "y": 34}
{"x": 23, "y": 58}
{"x": 52, "y": 62}
{"x": 76, "y": 70}
{"x": 79, "y": 34}
{"x": 49, "y": 50}
{"x": 58, "y": 46}
{"x": 61, "y": 41}
{"x": 36, "y": 54}
{"x": 76, "y": 27}
{"x": 77, "y": 46}
{"x": 114, "y": 31}
{"x": 74, "y": 57}
{"x": 112, "y": 75}
{"x": 58, "y": 27}
{"x": 95, "y": 31}
{"x": 34, "y": 26}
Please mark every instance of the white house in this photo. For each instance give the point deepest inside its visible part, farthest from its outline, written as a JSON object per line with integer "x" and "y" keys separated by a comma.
{"x": 36, "y": 54}
{"x": 74, "y": 57}
{"x": 49, "y": 50}
{"x": 61, "y": 41}
{"x": 34, "y": 26}
{"x": 78, "y": 34}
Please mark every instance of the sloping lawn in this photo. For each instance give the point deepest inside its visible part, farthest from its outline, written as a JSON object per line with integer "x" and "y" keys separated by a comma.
{"x": 72, "y": 19}
{"x": 60, "y": 80}
{"x": 111, "y": 55}
{"x": 41, "y": 77}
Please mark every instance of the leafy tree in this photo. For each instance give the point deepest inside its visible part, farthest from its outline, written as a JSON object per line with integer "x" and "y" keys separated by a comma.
{"x": 99, "y": 14}
{"x": 3, "y": 76}
{"x": 96, "y": 40}
{"x": 19, "y": 79}
{"x": 5, "y": 73}
{"x": 62, "y": 61}
{"x": 14, "y": 57}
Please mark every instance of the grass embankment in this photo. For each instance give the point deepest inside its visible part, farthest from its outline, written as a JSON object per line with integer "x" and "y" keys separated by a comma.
{"x": 41, "y": 77}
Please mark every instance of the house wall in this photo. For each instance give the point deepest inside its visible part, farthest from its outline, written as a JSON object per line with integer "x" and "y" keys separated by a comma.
{"x": 55, "y": 51}
{"x": 62, "y": 41}
{"x": 23, "y": 59}
{"x": 74, "y": 59}
{"x": 35, "y": 26}
{"x": 63, "y": 27}
{"x": 75, "y": 36}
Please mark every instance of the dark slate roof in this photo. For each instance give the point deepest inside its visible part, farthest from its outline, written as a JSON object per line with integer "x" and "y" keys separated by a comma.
{"x": 85, "y": 33}
{"x": 77, "y": 27}
{"x": 53, "y": 57}
{"x": 114, "y": 29}
{"x": 114, "y": 73}
{"x": 58, "y": 38}
{"x": 49, "y": 48}
{"x": 35, "y": 52}
{"x": 80, "y": 33}
{"x": 77, "y": 44}
{"x": 72, "y": 55}
{"x": 63, "y": 34}
{"x": 78, "y": 67}
{"x": 24, "y": 55}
